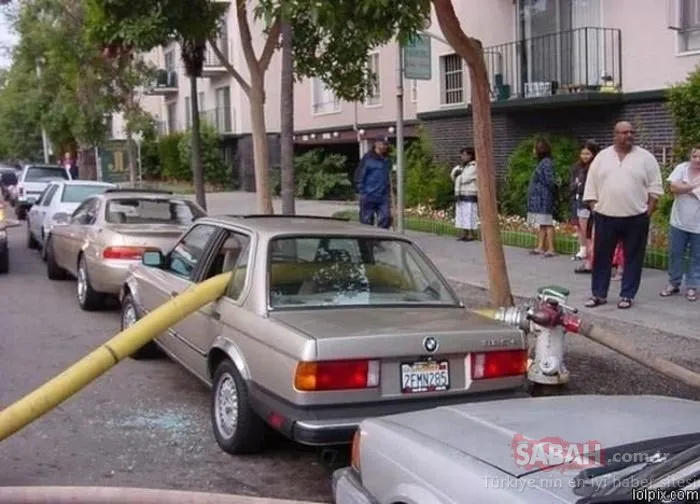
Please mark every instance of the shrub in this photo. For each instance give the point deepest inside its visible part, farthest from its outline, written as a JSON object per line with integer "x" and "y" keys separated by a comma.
{"x": 216, "y": 172}
{"x": 427, "y": 182}
{"x": 513, "y": 194}
{"x": 684, "y": 105}
{"x": 318, "y": 175}
{"x": 171, "y": 164}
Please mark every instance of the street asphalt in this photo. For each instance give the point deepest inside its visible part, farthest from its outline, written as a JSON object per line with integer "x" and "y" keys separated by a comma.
{"x": 146, "y": 424}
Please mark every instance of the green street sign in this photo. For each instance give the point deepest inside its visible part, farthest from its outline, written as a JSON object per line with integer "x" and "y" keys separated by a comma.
{"x": 417, "y": 59}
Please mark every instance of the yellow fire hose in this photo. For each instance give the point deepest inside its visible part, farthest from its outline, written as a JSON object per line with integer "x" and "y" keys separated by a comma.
{"x": 113, "y": 495}
{"x": 54, "y": 392}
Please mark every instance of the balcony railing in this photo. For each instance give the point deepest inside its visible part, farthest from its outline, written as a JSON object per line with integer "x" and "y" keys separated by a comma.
{"x": 210, "y": 57}
{"x": 574, "y": 61}
{"x": 166, "y": 79}
{"x": 221, "y": 118}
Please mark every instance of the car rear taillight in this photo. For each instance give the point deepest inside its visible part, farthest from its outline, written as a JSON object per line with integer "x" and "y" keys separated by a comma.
{"x": 125, "y": 253}
{"x": 336, "y": 375}
{"x": 355, "y": 450}
{"x": 498, "y": 364}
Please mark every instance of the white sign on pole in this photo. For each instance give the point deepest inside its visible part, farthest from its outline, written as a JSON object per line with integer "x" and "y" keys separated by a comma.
{"x": 417, "y": 58}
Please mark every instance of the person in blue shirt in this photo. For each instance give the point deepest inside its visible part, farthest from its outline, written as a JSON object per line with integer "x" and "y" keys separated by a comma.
{"x": 373, "y": 184}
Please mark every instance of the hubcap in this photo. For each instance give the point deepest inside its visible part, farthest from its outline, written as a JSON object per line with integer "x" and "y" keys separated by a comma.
{"x": 82, "y": 283}
{"x": 226, "y": 406}
{"x": 128, "y": 316}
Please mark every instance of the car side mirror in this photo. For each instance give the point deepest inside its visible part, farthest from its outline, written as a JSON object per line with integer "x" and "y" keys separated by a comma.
{"x": 153, "y": 258}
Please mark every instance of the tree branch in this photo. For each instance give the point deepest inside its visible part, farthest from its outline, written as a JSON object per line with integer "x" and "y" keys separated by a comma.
{"x": 229, "y": 67}
{"x": 271, "y": 43}
{"x": 454, "y": 33}
{"x": 246, "y": 38}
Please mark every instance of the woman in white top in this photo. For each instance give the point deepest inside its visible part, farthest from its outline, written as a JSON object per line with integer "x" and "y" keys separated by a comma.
{"x": 684, "y": 233}
{"x": 466, "y": 207}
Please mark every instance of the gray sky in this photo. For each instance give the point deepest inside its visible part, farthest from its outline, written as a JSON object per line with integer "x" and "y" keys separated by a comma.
{"x": 6, "y": 38}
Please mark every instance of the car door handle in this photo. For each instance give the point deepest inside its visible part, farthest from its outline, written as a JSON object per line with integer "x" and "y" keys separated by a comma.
{"x": 215, "y": 315}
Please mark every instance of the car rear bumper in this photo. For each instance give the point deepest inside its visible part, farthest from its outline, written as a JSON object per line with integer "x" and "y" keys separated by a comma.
{"x": 336, "y": 425}
{"x": 109, "y": 276}
{"x": 348, "y": 489}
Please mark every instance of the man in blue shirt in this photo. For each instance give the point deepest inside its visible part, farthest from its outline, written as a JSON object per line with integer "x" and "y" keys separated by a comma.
{"x": 373, "y": 183}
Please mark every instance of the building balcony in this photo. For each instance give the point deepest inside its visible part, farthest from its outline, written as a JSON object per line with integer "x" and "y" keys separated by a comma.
{"x": 164, "y": 84}
{"x": 221, "y": 118}
{"x": 212, "y": 67}
{"x": 558, "y": 67}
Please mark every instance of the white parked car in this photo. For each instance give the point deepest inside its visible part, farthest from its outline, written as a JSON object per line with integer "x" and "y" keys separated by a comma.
{"x": 577, "y": 449}
{"x": 56, "y": 204}
{"x": 32, "y": 182}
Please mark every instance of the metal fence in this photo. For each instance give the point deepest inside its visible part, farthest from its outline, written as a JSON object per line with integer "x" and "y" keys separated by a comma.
{"x": 573, "y": 61}
{"x": 210, "y": 57}
{"x": 222, "y": 118}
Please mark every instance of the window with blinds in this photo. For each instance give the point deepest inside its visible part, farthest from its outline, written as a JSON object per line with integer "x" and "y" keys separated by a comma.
{"x": 452, "y": 80}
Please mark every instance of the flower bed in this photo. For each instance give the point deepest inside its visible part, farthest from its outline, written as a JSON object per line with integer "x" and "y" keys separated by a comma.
{"x": 516, "y": 232}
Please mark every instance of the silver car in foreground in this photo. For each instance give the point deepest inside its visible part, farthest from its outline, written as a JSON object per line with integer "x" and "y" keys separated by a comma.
{"x": 568, "y": 449}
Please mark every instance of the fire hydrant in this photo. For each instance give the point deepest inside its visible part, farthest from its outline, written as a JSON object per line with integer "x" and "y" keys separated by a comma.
{"x": 545, "y": 323}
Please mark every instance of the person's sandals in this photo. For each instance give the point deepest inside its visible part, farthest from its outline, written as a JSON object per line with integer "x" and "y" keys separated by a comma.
{"x": 691, "y": 295}
{"x": 549, "y": 254}
{"x": 624, "y": 303}
{"x": 583, "y": 270}
{"x": 670, "y": 290}
{"x": 595, "y": 301}
{"x": 535, "y": 252}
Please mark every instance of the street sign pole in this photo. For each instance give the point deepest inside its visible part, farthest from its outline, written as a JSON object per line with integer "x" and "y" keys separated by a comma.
{"x": 413, "y": 62}
{"x": 399, "y": 141}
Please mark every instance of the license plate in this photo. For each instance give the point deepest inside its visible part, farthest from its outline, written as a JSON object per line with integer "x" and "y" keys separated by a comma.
{"x": 425, "y": 376}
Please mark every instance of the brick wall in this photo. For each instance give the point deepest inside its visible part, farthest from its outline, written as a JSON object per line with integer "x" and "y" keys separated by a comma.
{"x": 653, "y": 123}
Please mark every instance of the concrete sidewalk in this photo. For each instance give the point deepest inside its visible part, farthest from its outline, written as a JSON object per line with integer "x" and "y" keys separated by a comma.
{"x": 465, "y": 263}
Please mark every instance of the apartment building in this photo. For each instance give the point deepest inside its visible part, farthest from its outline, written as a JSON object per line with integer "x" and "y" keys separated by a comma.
{"x": 562, "y": 66}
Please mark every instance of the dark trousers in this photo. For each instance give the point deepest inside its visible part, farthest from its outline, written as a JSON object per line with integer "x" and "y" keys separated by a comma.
{"x": 633, "y": 233}
{"x": 370, "y": 208}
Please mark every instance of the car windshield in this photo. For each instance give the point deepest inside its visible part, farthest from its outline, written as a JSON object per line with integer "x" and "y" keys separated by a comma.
{"x": 38, "y": 173}
{"x": 77, "y": 193}
{"x": 319, "y": 271}
{"x": 144, "y": 210}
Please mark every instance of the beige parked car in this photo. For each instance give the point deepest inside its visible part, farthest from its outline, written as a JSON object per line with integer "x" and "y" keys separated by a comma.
{"x": 324, "y": 323}
{"x": 108, "y": 233}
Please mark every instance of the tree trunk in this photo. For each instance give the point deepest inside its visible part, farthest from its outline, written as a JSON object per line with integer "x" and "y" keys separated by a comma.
{"x": 133, "y": 161}
{"x": 287, "y": 182}
{"x": 260, "y": 146}
{"x": 471, "y": 51}
{"x": 87, "y": 162}
{"x": 196, "y": 135}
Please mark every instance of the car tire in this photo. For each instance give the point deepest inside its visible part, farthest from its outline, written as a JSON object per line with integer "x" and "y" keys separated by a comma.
{"x": 31, "y": 241}
{"x": 237, "y": 428}
{"x": 53, "y": 270}
{"x": 129, "y": 316}
{"x": 88, "y": 298}
{"x": 4, "y": 259}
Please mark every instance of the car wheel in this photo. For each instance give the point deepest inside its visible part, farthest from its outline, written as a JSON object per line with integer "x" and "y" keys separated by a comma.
{"x": 53, "y": 270}
{"x": 130, "y": 315}
{"x": 4, "y": 259}
{"x": 88, "y": 298}
{"x": 237, "y": 428}
{"x": 31, "y": 242}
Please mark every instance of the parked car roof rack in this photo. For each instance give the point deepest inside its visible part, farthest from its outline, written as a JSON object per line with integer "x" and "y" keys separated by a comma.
{"x": 138, "y": 190}
{"x": 278, "y": 216}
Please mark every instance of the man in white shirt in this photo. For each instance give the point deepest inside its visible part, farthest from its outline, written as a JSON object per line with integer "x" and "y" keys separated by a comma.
{"x": 623, "y": 186}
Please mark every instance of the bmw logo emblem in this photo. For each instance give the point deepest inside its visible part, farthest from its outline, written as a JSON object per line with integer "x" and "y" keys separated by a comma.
{"x": 430, "y": 344}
